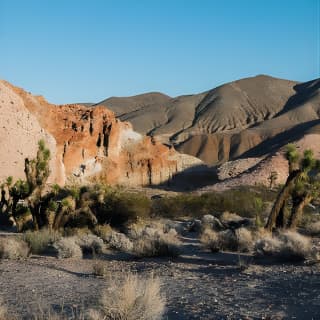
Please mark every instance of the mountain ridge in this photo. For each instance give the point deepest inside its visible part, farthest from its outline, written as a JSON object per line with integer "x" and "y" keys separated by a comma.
{"x": 225, "y": 122}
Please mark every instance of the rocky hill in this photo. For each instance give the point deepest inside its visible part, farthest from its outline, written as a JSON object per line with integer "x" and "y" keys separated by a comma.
{"x": 244, "y": 124}
{"x": 87, "y": 144}
{"x": 248, "y": 117}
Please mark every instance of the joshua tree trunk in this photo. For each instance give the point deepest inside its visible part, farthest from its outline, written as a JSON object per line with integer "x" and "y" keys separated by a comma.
{"x": 58, "y": 217}
{"x": 280, "y": 220}
{"x": 281, "y": 200}
{"x": 297, "y": 211}
{"x": 34, "y": 203}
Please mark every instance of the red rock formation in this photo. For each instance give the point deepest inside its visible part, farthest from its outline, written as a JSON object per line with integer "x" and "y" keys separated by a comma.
{"x": 91, "y": 144}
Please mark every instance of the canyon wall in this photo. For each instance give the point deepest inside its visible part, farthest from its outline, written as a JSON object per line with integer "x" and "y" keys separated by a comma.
{"x": 87, "y": 143}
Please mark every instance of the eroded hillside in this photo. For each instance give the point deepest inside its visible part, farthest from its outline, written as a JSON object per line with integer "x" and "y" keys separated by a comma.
{"x": 86, "y": 143}
{"x": 229, "y": 121}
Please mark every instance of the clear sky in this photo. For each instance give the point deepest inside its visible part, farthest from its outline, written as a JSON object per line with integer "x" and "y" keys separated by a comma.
{"x": 87, "y": 50}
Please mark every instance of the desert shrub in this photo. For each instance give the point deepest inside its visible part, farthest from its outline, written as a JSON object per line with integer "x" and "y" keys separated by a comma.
{"x": 155, "y": 243}
{"x": 76, "y": 232}
{"x": 238, "y": 240}
{"x": 40, "y": 241}
{"x": 103, "y": 231}
{"x": 90, "y": 243}
{"x": 247, "y": 202}
{"x": 210, "y": 221}
{"x": 120, "y": 208}
{"x": 114, "y": 240}
{"x": 227, "y": 216}
{"x": 134, "y": 298}
{"x": 13, "y": 248}
{"x": 136, "y": 229}
{"x": 99, "y": 268}
{"x": 181, "y": 227}
{"x": 245, "y": 240}
{"x": 120, "y": 242}
{"x": 287, "y": 245}
{"x": 313, "y": 228}
{"x": 68, "y": 248}
{"x": 209, "y": 238}
{"x": 180, "y": 206}
{"x": 144, "y": 227}
{"x": 42, "y": 311}
{"x": 228, "y": 240}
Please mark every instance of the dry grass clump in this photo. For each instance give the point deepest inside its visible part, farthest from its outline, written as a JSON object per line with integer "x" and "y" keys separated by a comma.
{"x": 238, "y": 240}
{"x": 229, "y": 216}
{"x": 40, "y": 241}
{"x": 134, "y": 298}
{"x": 99, "y": 269}
{"x": 313, "y": 229}
{"x": 13, "y": 248}
{"x": 154, "y": 243}
{"x": 120, "y": 242}
{"x": 68, "y": 248}
{"x": 209, "y": 238}
{"x": 42, "y": 311}
{"x": 103, "y": 231}
{"x": 210, "y": 221}
{"x": 144, "y": 227}
{"x": 135, "y": 230}
{"x": 228, "y": 240}
{"x": 79, "y": 232}
{"x": 90, "y": 243}
{"x": 287, "y": 245}
{"x": 114, "y": 240}
{"x": 245, "y": 240}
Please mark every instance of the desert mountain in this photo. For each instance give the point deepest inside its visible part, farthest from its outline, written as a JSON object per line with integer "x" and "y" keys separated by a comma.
{"x": 85, "y": 143}
{"x": 256, "y": 171}
{"x": 248, "y": 117}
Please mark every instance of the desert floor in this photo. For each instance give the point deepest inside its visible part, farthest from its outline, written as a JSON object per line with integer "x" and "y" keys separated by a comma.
{"x": 197, "y": 285}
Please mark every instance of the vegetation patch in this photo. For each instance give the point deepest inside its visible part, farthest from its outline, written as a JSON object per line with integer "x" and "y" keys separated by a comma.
{"x": 68, "y": 248}
{"x": 133, "y": 298}
{"x": 41, "y": 241}
{"x": 13, "y": 248}
{"x": 286, "y": 246}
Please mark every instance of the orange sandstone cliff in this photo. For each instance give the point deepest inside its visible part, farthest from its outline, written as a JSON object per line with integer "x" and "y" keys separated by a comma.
{"x": 87, "y": 143}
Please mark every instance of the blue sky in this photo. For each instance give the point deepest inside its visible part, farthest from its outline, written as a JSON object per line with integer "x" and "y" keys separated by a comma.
{"x": 79, "y": 51}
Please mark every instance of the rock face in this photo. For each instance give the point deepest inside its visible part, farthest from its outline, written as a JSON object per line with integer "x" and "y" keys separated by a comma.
{"x": 87, "y": 143}
{"x": 19, "y": 133}
{"x": 229, "y": 121}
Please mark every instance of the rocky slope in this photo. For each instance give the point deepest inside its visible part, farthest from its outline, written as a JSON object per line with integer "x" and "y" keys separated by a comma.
{"x": 233, "y": 120}
{"x": 19, "y": 132}
{"x": 256, "y": 171}
{"x": 86, "y": 143}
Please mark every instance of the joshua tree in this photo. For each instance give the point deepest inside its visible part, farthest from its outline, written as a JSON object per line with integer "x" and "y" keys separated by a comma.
{"x": 37, "y": 172}
{"x": 11, "y": 194}
{"x": 301, "y": 186}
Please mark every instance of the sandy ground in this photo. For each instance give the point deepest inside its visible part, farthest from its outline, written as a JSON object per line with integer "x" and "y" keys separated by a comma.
{"x": 197, "y": 285}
